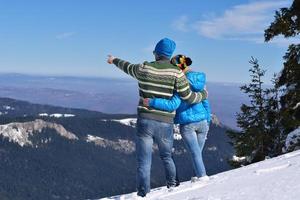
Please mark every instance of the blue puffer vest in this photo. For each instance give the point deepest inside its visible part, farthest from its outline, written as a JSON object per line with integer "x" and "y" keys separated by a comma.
{"x": 187, "y": 113}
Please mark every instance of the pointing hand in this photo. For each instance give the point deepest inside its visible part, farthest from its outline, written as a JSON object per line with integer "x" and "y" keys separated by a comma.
{"x": 110, "y": 59}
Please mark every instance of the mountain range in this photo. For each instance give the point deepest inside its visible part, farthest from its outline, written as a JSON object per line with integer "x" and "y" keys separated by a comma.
{"x": 50, "y": 152}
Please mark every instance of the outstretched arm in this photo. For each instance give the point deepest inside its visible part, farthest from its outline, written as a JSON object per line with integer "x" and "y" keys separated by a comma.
{"x": 183, "y": 89}
{"x": 125, "y": 66}
{"x": 165, "y": 104}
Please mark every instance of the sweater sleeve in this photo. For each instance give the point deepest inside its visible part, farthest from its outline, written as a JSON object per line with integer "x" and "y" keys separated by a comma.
{"x": 127, "y": 67}
{"x": 165, "y": 104}
{"x": 182, "y": 87}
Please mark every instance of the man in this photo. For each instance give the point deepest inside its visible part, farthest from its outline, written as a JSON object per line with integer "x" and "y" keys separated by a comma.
{"x": 158, "y": 79}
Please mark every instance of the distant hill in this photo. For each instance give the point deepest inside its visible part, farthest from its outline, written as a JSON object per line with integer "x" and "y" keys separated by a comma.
{"x": 49, "y": 152}
{"x": 107, "y": 95}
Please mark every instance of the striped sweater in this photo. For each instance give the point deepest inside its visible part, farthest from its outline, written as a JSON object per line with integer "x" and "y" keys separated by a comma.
{"x": 159, "y": 79}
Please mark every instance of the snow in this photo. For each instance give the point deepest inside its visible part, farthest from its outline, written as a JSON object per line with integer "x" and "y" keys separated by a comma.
{"x": 20, "y": 133}
{"x": 272, "y": 169}
{"x": 294, "y": 18}
{"x": 92, "y": 138}
{"x": 15, "y": 134}
{"x": 3, "y": 113}
{"x": 272, "y": 179}
{"x": 177, "y": 136}
{"x": 212, "y": 148}
{"x": 6, "y": 107}
{"x": 132, "y": 123}
{"x": 292, "y": 87}
{"x": 69, "y": 115}
{"x": 43, "y": 115}
{"x": 125, "y": 146}
{"x": 296, "y": 106}
{"x": 56, "y": 115}
{"x": 292, "y": 138}
{"x": 238, "y": 159}
{"x": 128, "y": 121}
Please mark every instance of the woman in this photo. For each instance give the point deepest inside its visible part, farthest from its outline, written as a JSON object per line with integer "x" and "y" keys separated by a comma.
{"x": 193, "y": 119}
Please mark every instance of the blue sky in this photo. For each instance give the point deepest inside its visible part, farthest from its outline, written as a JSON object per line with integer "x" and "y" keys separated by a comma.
{"x": 73, "y": 37}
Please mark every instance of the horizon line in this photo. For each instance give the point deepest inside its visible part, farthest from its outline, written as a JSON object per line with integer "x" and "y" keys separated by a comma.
{"x": 93, "y": 77}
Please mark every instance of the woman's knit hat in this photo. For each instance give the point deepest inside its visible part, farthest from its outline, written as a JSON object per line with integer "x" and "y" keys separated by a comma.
{"x": 181, "y": 61}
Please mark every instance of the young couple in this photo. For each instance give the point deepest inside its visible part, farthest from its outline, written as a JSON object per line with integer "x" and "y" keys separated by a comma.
{"x": 169, "y": 92}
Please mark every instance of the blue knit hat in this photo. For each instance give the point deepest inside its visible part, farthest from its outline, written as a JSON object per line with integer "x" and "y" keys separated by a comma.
{"x": 165, "y": 47}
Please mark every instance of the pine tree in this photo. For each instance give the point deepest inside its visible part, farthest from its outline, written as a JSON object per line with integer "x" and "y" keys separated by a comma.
{"x": 287, "y": 23}
{"x": 273, "y": 118}
{"x": 253, "y": 141}
{"x": 274, "y": 112}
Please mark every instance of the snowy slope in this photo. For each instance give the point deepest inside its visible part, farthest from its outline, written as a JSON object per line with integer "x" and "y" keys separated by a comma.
{"x": 21, "y": 133}
{"x": 273, "y": 179}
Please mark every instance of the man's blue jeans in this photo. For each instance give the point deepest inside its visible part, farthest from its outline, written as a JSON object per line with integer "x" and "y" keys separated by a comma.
{"x": 194, "y": 136}
{"x": 162, "y": 133}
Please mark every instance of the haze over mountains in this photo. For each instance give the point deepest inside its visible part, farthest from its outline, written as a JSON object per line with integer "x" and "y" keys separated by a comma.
{"x": 107, "y": 95}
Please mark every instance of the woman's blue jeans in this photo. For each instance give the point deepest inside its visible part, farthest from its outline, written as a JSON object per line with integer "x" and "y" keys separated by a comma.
{"x": 194, "y": 136}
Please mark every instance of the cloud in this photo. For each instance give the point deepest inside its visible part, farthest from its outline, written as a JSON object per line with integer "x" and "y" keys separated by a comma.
{"x": 279, "y": 41}
{"x": 245, "y": 22}
{"x": 181, "y": 24}
{"x": 284, "y": 42}
{"x": 65, "y": 35}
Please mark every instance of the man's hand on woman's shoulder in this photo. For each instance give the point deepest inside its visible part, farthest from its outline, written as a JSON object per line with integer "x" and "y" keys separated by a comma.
{"x": 146, "y": 102}
{"x": 206, "y": 93}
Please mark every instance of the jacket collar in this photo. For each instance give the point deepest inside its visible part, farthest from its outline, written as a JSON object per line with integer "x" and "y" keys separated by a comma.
{"x": 162, "y": 59}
